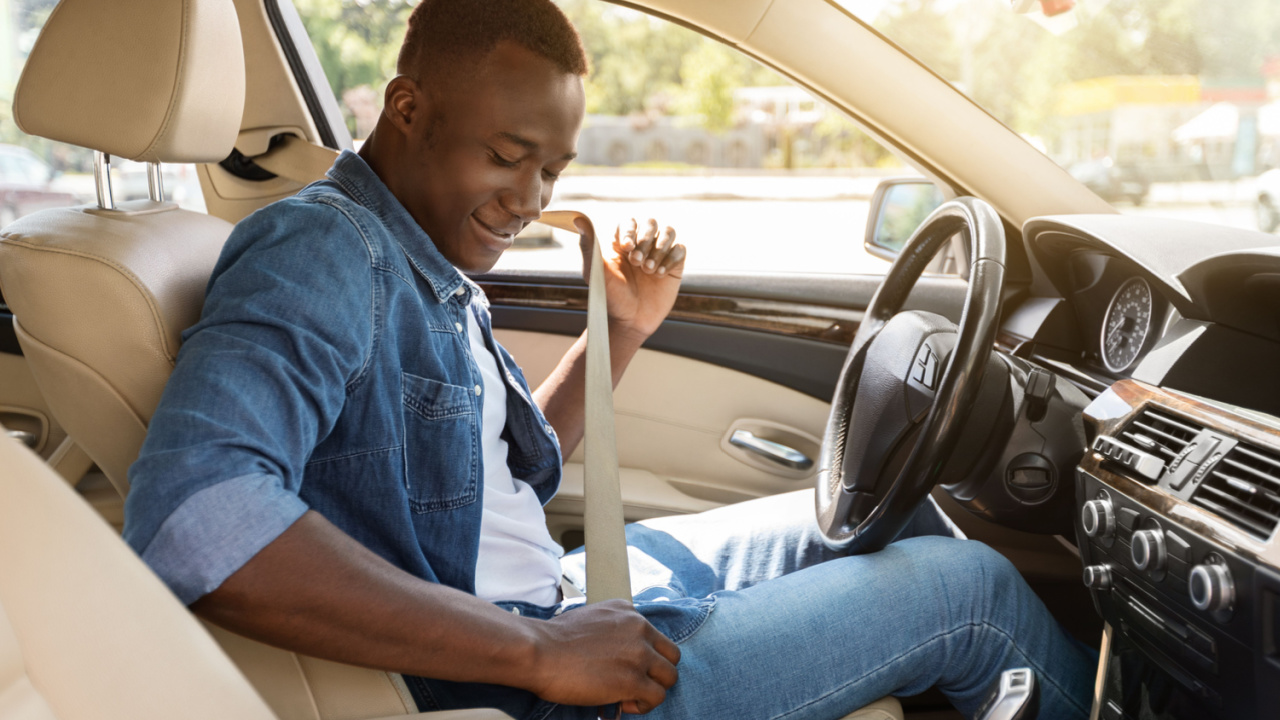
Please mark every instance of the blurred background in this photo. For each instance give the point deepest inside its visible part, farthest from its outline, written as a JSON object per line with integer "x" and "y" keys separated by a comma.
{"x": 1162, "y": 107}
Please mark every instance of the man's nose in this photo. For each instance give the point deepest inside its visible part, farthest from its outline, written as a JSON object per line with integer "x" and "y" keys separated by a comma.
{"x": 525, "y": 201}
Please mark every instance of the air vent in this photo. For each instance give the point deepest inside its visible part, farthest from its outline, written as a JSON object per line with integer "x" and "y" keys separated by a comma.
{"x": 1244, "y": 487}
{"x": 1159, "y": 433}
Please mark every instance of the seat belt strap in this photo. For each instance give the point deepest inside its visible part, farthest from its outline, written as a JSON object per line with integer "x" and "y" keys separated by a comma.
{"x": 296, "y": 159}
{"x": 608, "y": 577}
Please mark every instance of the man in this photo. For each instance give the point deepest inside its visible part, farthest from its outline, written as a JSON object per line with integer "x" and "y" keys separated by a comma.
{"x": 346, "y": 464}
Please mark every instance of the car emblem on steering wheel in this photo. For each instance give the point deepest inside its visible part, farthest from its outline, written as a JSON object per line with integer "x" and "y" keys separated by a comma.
{"x": 925, "y": 368}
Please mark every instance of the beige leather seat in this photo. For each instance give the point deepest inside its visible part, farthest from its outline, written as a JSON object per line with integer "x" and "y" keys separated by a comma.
{"x": 87, "y": 631}
{"x": 102, "y": 296}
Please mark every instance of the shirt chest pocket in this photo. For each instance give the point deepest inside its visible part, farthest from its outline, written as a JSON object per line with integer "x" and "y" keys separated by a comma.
{"x": 441, "y": 444}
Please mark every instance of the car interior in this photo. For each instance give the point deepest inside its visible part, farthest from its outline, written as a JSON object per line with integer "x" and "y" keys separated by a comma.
{"x": 1127, "y": 457}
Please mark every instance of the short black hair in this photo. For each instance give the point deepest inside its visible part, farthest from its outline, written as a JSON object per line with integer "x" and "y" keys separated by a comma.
{"x": 444, "y": 34}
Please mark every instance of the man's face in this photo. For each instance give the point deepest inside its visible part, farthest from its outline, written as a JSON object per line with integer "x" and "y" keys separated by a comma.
{"x": 488, "y": 165}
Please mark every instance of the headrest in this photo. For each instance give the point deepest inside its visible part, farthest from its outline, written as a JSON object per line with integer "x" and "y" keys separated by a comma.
{"x": 147, "y": 80}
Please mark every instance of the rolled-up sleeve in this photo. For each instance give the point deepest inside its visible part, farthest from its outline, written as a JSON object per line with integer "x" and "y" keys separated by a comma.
{"x": 287, "y": 327}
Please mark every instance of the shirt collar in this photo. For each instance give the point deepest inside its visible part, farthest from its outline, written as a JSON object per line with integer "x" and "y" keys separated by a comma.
{"x": 354, "y": 175}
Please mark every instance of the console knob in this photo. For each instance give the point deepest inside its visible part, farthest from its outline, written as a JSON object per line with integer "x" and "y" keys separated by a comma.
{"x": 1097, "y": 577}
{"x": 1098, "y": 519}
{"x": 1147, "y": 550}
{"x": 1211, "y": 588}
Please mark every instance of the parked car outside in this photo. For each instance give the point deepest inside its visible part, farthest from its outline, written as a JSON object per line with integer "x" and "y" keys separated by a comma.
{"x": 1111, "y": 181}
{"x": 1269, "y": 200}
{"x": 25, "y": 184}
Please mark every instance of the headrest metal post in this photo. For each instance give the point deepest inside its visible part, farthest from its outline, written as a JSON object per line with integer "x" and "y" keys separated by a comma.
{"x": 155, "y": 182}
{"x": 102, "y": 178}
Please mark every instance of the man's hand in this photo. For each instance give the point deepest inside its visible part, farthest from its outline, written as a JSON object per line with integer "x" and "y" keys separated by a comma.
{"x": 603, "y": 654}
{"x": 317, "y": 591}
{"x": 642, "y": 276}
{"x": 641, "y": 280}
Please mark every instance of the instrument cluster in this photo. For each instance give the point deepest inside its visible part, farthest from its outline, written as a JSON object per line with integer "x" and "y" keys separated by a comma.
{"x": 1118, "y": 312}
{"x": 1126, "y": 327}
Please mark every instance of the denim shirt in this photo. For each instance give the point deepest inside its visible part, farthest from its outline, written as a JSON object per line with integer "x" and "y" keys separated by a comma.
{"x": 330, "y": 370}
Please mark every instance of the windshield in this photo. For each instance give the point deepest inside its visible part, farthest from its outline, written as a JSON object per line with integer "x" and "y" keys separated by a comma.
{"x": 1164, "y": 107}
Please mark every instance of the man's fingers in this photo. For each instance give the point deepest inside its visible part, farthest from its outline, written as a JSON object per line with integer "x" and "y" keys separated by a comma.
{"x": 651, "y": 696}
{"x": 663, "y": 645}
{"x": 674, "y": 261}
{"x": 657, "y": 259}
{"x": 628, "y": 240}
{"x": 642, "y": 256}
{"x": 664, "y": 672}
{"x": 666, "y": 240}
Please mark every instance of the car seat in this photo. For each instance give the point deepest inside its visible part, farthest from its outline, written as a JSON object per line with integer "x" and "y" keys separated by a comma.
{"x": 101, "y": 294}
{"x": 87, "y": 631}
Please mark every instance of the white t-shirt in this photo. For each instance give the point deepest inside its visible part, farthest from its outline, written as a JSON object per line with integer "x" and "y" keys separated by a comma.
{"x": 518, "y": 559}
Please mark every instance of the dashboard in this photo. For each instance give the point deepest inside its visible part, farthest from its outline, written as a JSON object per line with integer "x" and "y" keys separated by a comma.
{"x": 1172, "y": 330}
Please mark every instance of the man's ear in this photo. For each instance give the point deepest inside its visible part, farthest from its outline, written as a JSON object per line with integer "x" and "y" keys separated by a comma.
{"x": 406, "y": 106}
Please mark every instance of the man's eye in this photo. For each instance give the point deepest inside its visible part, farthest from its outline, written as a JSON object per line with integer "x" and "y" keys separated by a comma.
{"x": 503, "y": 162}
{"x": 551, "y": 175}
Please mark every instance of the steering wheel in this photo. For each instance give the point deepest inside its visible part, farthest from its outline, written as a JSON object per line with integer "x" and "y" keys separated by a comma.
{"x": 907, "y": 385}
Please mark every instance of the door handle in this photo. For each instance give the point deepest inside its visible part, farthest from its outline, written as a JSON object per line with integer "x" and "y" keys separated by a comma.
{"x": 770, "y": 450}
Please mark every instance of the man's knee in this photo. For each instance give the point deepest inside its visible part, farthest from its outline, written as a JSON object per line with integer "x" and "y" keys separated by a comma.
{"x": 963, "y": 563}
{"x": 987, "y": 563}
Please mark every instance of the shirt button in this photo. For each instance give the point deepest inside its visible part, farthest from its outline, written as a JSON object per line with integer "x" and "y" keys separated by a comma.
{"x": 515, "y": 611}
{"x": 458, "y": 326}
{"x": 460, "y": 291}
{"x": 550, "y": 430}
{"x": 477, "y": 390}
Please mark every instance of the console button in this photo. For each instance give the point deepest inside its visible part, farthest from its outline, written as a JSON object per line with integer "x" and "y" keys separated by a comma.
{"x": 1097, "y": 577}
{"x": 1211, "y": 588}
{"x": 1203, "y": 643}
{"x": 1128, "y": 518}
{"x": 1147, "y": 550}
{"x": 1097, "y": 519}
{"x": 1177, "y": 547}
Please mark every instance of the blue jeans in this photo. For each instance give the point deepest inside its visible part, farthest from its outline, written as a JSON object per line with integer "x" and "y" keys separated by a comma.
{"x": 827, "y": 634}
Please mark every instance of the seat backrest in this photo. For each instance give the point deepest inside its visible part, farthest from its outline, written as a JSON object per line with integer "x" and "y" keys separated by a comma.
{"x": 86, "y": 630}
{"x": 101, "y": 296}
{"x": 99, "y": 303}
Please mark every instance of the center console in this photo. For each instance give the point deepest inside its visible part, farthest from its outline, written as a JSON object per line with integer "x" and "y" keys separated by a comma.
{"x": 1179, "y": 501}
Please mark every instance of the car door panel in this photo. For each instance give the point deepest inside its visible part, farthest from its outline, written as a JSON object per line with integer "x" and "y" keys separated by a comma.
{"x": 672, "y": 414}
{"x": 738, "y": 353}
{"x": 790, "y": 330}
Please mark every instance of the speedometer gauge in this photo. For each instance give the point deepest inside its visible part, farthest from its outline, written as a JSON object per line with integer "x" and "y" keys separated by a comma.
{"x": 1125, "y": 328}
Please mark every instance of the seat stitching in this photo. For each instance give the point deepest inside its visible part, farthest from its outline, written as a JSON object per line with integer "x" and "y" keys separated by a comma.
{"x": 140, "y": 286}
{"x": 306, "y": 685}
{"x": 173, "y": 94}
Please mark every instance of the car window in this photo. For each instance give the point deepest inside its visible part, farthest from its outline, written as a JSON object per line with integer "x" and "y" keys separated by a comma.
{"x": 54, "y": 174}
{"x": 8, "y": 169}
{"x": 1161, "y": 107}
{"x": 753, "y": 172}
{"x": 32, "y": 171}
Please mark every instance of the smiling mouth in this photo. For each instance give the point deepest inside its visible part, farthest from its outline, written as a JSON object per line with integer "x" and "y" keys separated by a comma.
{"x": 504, "y": 238}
